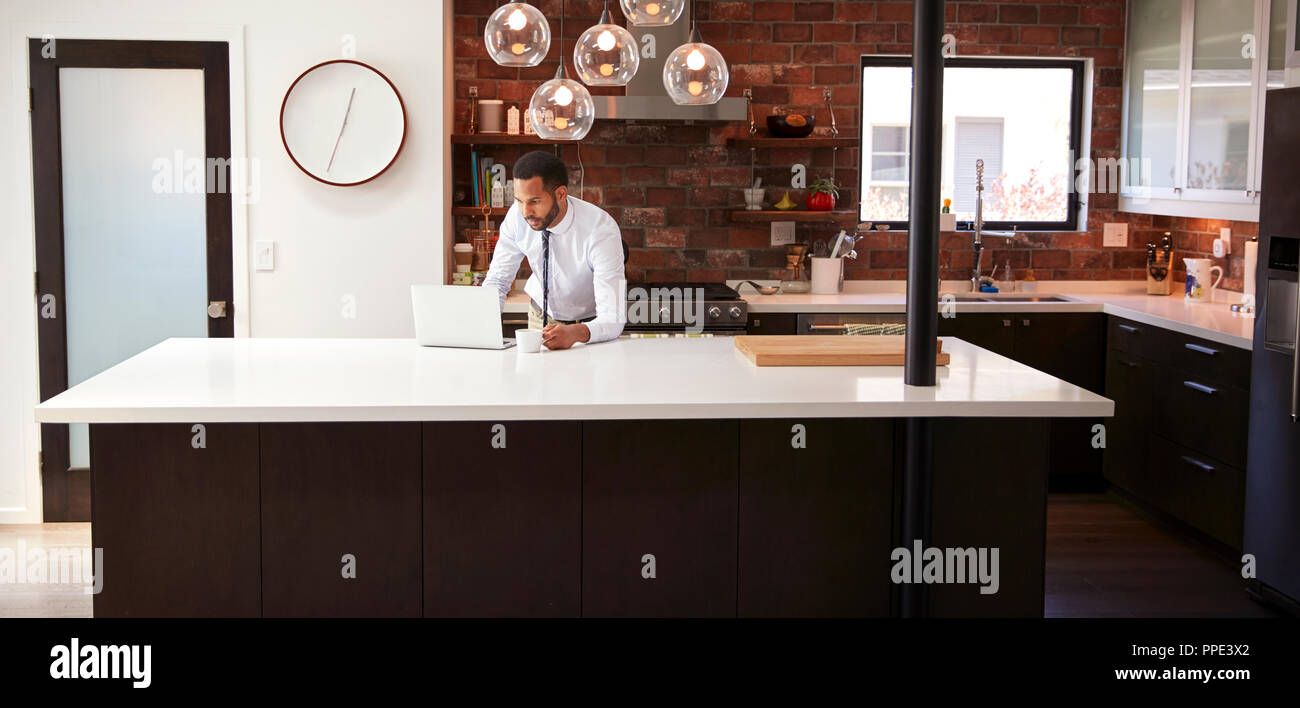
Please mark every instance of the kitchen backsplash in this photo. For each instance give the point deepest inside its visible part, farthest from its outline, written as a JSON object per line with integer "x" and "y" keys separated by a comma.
{"x": 671, "y": 185}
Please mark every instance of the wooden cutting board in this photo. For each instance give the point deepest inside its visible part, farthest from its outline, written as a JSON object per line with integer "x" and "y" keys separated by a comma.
{"x": 810, "y": 350}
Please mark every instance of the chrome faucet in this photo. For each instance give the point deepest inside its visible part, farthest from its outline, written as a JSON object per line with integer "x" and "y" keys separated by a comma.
{"x": 979, "y": 225}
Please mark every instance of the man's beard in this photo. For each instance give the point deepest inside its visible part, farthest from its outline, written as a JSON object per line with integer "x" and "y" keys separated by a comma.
{"x": 550, "y": 215}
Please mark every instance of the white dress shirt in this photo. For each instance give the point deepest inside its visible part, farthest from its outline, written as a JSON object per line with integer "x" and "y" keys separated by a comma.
{"x": 586, "y": 266}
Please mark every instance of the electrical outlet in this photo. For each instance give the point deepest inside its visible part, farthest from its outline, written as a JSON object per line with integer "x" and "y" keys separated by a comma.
{"x": 264, "y": 255}
{"x": 1115, "y": 235}
{"x": 782, "y": 233}
{"x": 1225, "y": 237}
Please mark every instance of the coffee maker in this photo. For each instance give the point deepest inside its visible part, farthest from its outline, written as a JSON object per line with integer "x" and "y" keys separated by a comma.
{"x": 1159, "y": 260}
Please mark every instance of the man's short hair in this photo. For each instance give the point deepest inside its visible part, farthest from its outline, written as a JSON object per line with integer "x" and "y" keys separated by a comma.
{"x": 540, "y": 163}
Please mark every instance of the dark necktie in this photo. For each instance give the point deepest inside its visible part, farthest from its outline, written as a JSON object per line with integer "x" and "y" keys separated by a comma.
{"x": 546, "y": 272}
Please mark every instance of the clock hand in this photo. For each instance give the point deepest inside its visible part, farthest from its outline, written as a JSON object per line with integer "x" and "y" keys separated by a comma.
{"x": 345, "y": 122}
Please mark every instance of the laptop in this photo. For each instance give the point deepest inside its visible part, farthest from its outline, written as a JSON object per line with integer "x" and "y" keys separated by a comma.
{"x": 457, "y": 316}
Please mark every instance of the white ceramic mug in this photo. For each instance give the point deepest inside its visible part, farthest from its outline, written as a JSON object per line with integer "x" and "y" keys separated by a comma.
{"x": 827, "y": 275}
{"x": 529, "y": 341}
{"x": 1198, "y": 274}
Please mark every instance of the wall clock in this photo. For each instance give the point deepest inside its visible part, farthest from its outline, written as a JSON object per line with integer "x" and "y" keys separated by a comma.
{"x": 342, "y": 122}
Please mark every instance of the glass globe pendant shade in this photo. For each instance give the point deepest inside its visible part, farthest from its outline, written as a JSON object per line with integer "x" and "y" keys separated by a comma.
{"x": 606, "y": 54}
{"x": 695, "y": 73}
{"x": 562, "y": 109}
{"x": 652, "y": 13}
{"x": 517, "y": 35}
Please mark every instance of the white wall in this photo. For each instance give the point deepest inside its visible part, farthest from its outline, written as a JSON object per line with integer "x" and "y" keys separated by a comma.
{"x": 368, "y": 242}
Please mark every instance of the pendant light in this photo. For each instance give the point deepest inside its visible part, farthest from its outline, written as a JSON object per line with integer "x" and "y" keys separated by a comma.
{"x": 606, "y": 54}
{"x": 562, "y": 109}
{"x": 695, "y": 73}
{"x": 653, "y": 13}
{"x": 517, "y": 35}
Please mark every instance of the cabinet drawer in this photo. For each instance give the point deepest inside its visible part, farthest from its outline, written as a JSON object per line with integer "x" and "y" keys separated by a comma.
{"x": 1211, "y": 361}
{"x": 1201, "y": 491}
{"x": 1139, "y": 339}
{"x": 1207, "y": 417}
{"x": 771, "y": 323}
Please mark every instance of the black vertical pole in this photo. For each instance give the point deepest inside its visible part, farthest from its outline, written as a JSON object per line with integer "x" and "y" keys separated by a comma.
{"x": 922, "y": 279}
{"x": 923, "y": 193}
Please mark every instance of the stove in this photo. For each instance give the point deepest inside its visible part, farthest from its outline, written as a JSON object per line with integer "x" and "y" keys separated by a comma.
{"x": 668, "y": 308}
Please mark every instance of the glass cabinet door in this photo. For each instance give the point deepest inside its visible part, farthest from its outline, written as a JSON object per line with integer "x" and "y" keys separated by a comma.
{"x": 1221, "y": 93}
{"x": 1155, "y": 31}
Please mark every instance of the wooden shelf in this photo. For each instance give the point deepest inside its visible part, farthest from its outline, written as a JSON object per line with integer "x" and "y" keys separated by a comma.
{"x": 498, "y": 139}
{"x": 808, "y": 142}
{"x": 837, "y": 217}
{"x": 477, "y": 211}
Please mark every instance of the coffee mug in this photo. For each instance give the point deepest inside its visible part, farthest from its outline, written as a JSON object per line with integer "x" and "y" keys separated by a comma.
{"x": 1198, "y": 274}
{"x": 529, "y": 341}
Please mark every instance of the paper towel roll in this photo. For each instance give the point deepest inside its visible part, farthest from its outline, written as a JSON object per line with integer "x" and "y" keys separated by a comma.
{"x": 1248, "y": 281}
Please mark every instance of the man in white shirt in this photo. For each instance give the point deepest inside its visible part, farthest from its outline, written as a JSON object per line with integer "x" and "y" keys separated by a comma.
{"x": 575, "y": 250}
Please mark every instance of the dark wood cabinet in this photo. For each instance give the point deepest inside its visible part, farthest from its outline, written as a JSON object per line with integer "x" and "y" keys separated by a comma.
{"x": 175, "y": 512}
{"x": 1131, "y": 383}
{"x": 659, "y": 517}
{"x": 502, "y": 519}
{"x": 1179, "y": 436}
{"x": 990, "y": 492}
{"x": 340, "y": 519}
{"x": 815, "y": 517}
{"x": 995, "y": 332}
{"x": 772, "y": 323}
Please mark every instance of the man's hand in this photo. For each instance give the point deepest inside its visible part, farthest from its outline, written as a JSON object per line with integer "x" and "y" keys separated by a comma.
{"x": 562, "y": 336}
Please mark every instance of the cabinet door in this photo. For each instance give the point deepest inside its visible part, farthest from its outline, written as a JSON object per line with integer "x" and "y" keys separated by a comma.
{"x": 175, "y": 512}
{"x": 1221, "y": 101}
{"x": 340, "y": 519}
{"x": 502, "y": 519}
{"x": 771, "y": 323}
{"x": 1131, "y": 383}
{"x": 659, "y": 518}
{"x": 994, "y": 332}
{"x": 815, "y": 514}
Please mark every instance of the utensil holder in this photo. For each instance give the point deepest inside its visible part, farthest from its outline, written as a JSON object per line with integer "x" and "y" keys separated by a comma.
{"x": 827, "y": 276}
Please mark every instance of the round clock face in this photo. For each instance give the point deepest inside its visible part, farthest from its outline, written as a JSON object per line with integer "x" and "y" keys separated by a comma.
{"x": 343, "y": 122}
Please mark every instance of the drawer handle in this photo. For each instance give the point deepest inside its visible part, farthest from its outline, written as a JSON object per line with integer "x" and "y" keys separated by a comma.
{"x": 1201, "y": 350}
{"x": 1201, "y": 387}
{"x": 1130, "y": 329}
{"x": 1198, "y": 464}
{"x": 1129, "y": 364}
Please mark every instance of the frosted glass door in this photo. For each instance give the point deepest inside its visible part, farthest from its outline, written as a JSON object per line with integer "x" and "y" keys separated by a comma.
{"x": 1155, "y": 30}
{"x": 1222, "y": 91}
{"x": 134, "y": 232}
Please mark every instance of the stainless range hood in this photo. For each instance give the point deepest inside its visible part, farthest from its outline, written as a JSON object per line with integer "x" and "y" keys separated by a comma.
{"x": 646, "y": 98}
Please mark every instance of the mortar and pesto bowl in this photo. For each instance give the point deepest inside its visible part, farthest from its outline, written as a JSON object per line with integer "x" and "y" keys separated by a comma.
{"x": 791, "y": 125}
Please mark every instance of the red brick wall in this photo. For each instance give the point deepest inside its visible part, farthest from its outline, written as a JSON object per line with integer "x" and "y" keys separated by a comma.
{"x": 671, "y": 185}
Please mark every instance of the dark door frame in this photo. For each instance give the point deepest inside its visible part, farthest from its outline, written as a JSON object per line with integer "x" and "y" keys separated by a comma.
{"x": 66, "y": 490}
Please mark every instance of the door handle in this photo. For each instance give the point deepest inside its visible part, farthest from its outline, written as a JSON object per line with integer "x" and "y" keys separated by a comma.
{"x": 217, "y": 309}
{"x": 1198, "y": 464}
{"x": 1201, "y": 387}
{"x": 1200, "y": 349}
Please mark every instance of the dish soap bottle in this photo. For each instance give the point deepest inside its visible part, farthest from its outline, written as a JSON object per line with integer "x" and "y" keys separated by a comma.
{"x": 1008, "y": 282}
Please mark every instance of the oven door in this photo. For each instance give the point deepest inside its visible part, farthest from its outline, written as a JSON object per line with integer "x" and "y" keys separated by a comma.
{"x": 838, "y": 323}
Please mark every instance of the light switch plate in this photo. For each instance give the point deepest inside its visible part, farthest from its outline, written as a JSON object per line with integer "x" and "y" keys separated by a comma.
{"x": 1115, "y": 235}
{"x": 264, "y": 255}
{"x": 782, "y": 232}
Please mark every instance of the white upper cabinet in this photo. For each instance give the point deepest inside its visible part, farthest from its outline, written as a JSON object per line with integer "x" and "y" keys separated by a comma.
{"x": 1195, "y": 75}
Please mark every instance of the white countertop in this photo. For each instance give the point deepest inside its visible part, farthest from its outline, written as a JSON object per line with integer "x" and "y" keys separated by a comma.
{"x": 278, "y": 380}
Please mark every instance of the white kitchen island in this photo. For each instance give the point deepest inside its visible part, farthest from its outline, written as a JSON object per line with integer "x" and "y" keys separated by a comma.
{"x": 642, "y": 477}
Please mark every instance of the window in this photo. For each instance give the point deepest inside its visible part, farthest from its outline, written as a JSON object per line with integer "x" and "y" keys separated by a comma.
{"x": 1028, "y": 180}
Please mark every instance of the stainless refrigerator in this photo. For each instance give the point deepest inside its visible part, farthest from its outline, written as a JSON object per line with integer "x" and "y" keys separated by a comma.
{"x": 1272, "y": 532}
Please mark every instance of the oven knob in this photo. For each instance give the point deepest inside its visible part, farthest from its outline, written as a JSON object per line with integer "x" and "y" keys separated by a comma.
{"x": 734, "y": 312}
{"x": 714, "y": 312}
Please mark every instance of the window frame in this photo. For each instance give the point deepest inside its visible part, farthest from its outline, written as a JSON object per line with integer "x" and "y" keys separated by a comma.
{"x": 1078, "y": 104}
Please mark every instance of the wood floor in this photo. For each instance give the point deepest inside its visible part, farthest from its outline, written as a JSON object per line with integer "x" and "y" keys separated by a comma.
{"x": 1104, "y": 559}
